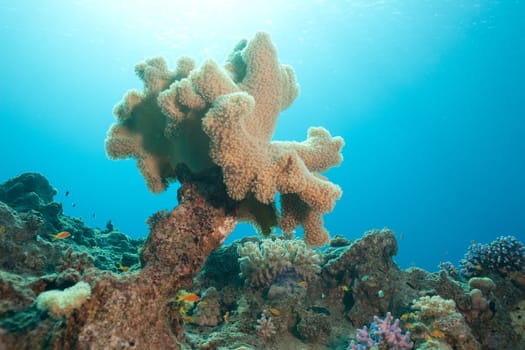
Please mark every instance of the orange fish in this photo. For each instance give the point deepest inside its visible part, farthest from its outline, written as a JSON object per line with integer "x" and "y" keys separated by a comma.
{"x": 60, "y": 235}
{"x": 436, "y": 333}
{"x": 303, "y": 284}
{"x": 189, "y": 297}
{"x": 274, "y": 311}
{"x": 188, "y": 319}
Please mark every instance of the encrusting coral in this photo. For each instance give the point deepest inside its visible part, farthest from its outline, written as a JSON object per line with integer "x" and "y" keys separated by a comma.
{"x": 261, "y": 263}
{"x": 63, "y": 302}
{"x": 226, "y": 117}
{"x": 431, "y": 307}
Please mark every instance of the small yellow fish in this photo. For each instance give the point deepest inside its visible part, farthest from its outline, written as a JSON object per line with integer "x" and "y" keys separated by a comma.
{"x": 436, "y": 333}
{"x": 274, "y": 311}
{"x": 407, "y": 315}
{"x": 303, "y": 284}
{"x": 183, "y": 311}
{"x": 344, "y": 288}
{"x": 188, "y": 297}
{"x": 123, "y": 268}
{"x": 226, "y": 316}
{"x": 60, "y": 235}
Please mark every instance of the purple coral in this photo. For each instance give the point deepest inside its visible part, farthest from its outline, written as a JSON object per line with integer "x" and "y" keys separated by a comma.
{"x": 505, "y": 254}
{"x": 383, "y": 334}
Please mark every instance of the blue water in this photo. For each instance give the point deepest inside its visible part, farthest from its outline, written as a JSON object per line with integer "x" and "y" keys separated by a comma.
{"x": 429, "y": 96}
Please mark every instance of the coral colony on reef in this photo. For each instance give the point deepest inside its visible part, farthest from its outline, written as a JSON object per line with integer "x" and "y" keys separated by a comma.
{"x": 225, "y": 117}
{"x": 64, "y": 285}
{"x": 382, "y": 333}
{"x": 505, "y": 254}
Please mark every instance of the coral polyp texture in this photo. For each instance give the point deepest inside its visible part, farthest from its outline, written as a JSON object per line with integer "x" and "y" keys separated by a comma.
{"x": 383, "y": 334}
{"x": 263, "y": 263}
{"x": 431, "y": 307}
{"x": 225, "y": 117}
{"x": 503, "y": 255}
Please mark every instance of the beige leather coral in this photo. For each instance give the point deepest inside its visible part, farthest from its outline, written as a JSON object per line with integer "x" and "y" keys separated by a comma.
{"x": 226, "y": 116}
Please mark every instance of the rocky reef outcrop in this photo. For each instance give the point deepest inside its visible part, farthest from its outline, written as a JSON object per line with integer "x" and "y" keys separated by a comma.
{"x": 193, "y": 292}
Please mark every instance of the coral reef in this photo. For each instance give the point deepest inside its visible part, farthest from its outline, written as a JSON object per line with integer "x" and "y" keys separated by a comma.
{"x": 108, "y": 310}
{"x": 430, "y": 307}
{"x": 208, "y": 311}
{"x": 355, "y": 281}
{"x": 262, "y": 262}
{"x": 382, "y": 334}
{"x": 210, "y": 129}
{"x": 450, "y": 269}
{"x": 29, "y": 216}
{"x": 435, "y": 323}
{"x": 225, "y": 117}
{"x": 265, "y": 328}
{"x": 517, "y": 316}
{"x": 504, "y": 254}
{"x": 313, "y": 326}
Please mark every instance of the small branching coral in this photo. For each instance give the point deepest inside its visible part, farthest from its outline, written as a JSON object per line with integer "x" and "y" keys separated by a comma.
{"x": 503, "y": 255}
{"x": 265, "y": 327}
{"x": 75, "y": 260}
{"x": 261, "y": 263}
{"x": 450, "y": 269}
{"x": 383, "y": 334}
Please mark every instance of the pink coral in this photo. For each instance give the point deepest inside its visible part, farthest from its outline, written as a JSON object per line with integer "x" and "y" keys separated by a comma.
{"x": 382, "y": 333}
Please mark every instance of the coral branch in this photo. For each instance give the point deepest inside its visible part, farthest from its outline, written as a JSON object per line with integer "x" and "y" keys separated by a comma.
{"x": 225, "y": 117}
